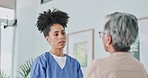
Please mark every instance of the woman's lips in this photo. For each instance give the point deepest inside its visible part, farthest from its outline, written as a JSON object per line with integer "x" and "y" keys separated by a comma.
{"x": 62, "y": 42}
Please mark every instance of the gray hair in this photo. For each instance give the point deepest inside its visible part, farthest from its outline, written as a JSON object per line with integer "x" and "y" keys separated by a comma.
{"x": 123, "y": 28}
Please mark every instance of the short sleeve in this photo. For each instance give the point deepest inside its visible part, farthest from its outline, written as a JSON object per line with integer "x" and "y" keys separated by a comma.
{"x": 38, "y": 68}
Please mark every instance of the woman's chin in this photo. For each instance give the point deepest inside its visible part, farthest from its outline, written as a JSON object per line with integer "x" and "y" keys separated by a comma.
{"x": 61, "y": 47}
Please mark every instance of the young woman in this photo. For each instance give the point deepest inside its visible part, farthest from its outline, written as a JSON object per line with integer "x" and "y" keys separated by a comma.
{"x": 54, "y": 63}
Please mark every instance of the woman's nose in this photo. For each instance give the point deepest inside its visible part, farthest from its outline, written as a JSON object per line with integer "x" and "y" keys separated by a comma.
{"x": 61, "y": 36}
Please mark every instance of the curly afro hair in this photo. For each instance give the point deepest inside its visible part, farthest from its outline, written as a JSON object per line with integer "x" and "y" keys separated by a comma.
{"x": 48, "y": 18}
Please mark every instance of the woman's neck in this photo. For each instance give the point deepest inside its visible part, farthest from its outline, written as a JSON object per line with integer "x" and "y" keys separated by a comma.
{"x": 57, "y": 52}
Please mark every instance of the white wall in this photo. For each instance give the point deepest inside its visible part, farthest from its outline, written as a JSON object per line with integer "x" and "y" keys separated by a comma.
{"x": 143, "y": 25}
{"x": 25, "y": 33}
{"x": 84, "y": 14}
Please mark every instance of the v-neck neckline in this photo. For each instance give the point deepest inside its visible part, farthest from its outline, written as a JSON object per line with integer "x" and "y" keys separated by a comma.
{"x": 57, "y": 62}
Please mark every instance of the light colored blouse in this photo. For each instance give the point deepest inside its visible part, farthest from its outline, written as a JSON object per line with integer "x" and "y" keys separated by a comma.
{"x": 117, "y": 65}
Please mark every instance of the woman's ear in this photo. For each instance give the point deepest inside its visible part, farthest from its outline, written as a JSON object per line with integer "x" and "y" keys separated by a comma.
{"x": 109, "y": 40}
{"x": 47, "y": 38}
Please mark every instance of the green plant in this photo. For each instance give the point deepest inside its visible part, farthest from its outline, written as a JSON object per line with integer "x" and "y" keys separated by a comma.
{"x": 2, "y": 74}
{"x": 26, "y": 68}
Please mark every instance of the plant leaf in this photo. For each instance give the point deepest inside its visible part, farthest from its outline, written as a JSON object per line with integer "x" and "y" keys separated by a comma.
{"x": 2, "y": 74}
{"x": 26, "y": 68}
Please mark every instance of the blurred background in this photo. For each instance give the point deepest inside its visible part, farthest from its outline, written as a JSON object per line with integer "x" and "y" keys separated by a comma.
{"x": 20, "y": 39}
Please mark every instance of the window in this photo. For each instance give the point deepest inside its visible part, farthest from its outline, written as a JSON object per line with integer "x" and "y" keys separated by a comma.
{"x": 6, "y": 40}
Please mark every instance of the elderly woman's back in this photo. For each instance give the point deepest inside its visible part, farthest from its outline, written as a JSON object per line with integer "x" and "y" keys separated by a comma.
{"x": 118, "y": 65}
{"x": 119, "y": 33}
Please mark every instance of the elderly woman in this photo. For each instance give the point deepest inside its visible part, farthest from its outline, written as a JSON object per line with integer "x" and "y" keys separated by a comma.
{"x": 119, "y": 33}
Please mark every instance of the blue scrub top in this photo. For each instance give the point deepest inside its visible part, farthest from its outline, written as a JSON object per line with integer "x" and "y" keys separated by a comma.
{"x": 45, "y": 66}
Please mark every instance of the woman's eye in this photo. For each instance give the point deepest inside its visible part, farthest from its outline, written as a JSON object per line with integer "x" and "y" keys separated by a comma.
{"x": 63, "y": 33}
{"x": 56, "y": 34}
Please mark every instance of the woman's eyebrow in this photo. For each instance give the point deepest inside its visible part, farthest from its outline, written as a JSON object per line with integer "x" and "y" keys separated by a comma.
{"x": 59, "y": 31}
